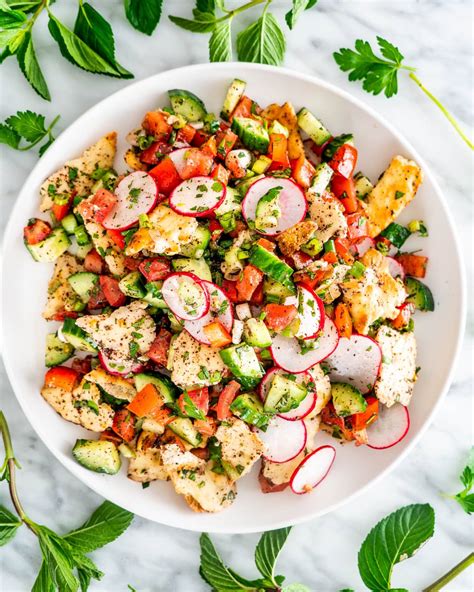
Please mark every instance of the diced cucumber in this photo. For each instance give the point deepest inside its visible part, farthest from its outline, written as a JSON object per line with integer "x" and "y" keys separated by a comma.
{"x": 100, "y": 456}
{"x": 313, "y": 127}
{"x": 230, "y": 204}
{"x": 83, "y": 283}
{"x": 51, "y": 247}
{"x": 77, "y": 337}
{"x": 153, "y": 294}
{"x": 336, "y": 143}
{"x": 321, "y": 179}
{"x": 250, "y": 409}
{"x": 261, "y": 165}
{"x": 363, "y": 186}
{"x": 132, "y": 285}
{"x": 313, "y": 247}
{"x": 69, "y": 223}
{"x": 270, "y": 264}
{"x": 126, "y": 451}
{"x": 396, "y": 234}
{"x": 81, "y": 251}
{"x": 274, "y": 291}
{"x": 231, "y": 471}
{"x": 176, "y": 324}
{"x": 256, "y": 333}
{"x": 184, "y": 428}
{"x": 187, "y": 104}
{"x": 292, "y": 329}
{"x": 234, "y": 93}
{"x": 419, "y": 294}
{"x": 268, "y": 210}
{"x": 346, "y": 399}
{"x": 198, "y": 245}
{"x": 81, "y": 235}
{"x": 277, "y": 128}
{"x": 57, "y": 351}
{"x": 251, "y": 133}
{"x": 284, "y": 394}
{"x": 197, "y": 266}
{"x": 165, "y": 387}
{"x": 242, "y": 361}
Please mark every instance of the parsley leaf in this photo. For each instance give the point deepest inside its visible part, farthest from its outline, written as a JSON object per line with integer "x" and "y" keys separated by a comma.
{"x": 263, "y": 41}
{"x": 8, "y": 526}
{"x": 220, "y": 42}
{"x": 143, "y": 15}
{"x": 396, "y": 537}
{"x": 9, "y": 136}
{"x": 27, "y": 125}
{"x": 465, "y": 498}
{"x": 267, "y": 551}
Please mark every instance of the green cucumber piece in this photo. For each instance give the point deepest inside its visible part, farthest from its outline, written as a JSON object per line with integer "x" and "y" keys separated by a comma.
{"x": 261, "y": 165}
{"x": 347, "y": 400}
{"x": 196, "y": 248}
{"x": 274, "y": 291}
{"x": 184, "y": 428}
{"x": 153, "y": 294}
{"x": 313, "y": 127}
{"x": 242, "y": 361}
{"x": 396, "y": 234}
{"x": 256, "y": 333}
{"x": 76, "y": 336}
{"x": 250, "y": 409}
{"x": 363, "y": 186}
{"x": 69, "y": 223}
{"x": 277, "y": 128}
{"x": 234, "y": 93}
{"x": 84, "y": 283}
{"x": 100, "y": 456}
{"x": 197, "y": 266}
{"x": 165, "y": 387}
{"x": 132, "y": 285}
{"x": 419, "y": 294}
{"x": 284, "y": 395}
{"x": 231, "y": 203}
{"x": 57, "y": 351}
{"x": 268, "y": 210}
{"x": 187, "y": 104}
{"x": 321, "y": 179}
{"x": 81, "y": 235}
{"x": 272, "y": 265}
{"x": 336, "y": 143}
{"x": 52, "y": 247}
{"x": 251, "y": 133}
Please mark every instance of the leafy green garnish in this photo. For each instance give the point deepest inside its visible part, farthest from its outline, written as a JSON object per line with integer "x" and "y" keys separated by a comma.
{"x": 9, "y": 524}
{"x": 28, "y": 126}
{"x": 220, "y": 42}
{"x": 465, "y": 498}
{"x": 263, "y": 41}
{"x": 144, "y": 15}
{"x": 299, "y": 6}
{"x": 191, "y": 409}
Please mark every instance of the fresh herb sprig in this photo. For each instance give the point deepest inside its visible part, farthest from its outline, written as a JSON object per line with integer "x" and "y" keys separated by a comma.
{"x": 29, "y": 127}
{"x": 465, "y": 498}
{"x": 263, "y": 41}
{"x": 380, "y": 74}
{"x": 65, "y": 565}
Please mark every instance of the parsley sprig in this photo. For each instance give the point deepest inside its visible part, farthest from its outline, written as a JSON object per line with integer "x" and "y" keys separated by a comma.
{"x": 465, "y": 498}
{"x": 380, "y": 74}
{"x": 27, "y": 126}
{"x": 65, "y": 564}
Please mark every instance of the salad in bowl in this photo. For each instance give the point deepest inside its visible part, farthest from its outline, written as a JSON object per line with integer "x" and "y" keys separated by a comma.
{"x": 238, "y": 289}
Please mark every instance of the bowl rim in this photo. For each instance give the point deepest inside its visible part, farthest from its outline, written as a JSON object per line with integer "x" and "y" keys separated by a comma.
{"x": 347, "y": 96}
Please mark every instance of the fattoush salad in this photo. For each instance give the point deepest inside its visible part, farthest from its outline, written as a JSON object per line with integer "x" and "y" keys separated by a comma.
{"x": 240, "y": 288}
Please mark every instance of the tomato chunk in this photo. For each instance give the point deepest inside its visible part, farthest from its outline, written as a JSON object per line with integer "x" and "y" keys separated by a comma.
{"x": 360, "y": 421}
{"x": 156, "y": 124}
{"x": 196, "y": 162}
{"x": 277, "y": 150}
{"x": 200, "y": 397}
{"x": 117, "y": 238}
{"x": 186, "y": 134}
{"x": 414, "y": 265}
{"x": 225, "y": 400}
{"x": 146, "y": 401}
{"x": 279, "y": 316}
{"x": 404, "y": 316}
{"x": 154, "y": 269}
{"x": 124, "y": 424}
{"x": 61, "y": 377}
{"x": 217, "y": 334}
{"x": 220, "y": 173}
{"x": 110, "y": 287}
{"x": 302, "y": 171}
{"x": 98, "y": 207}
{"x": 246, "y": 286}
{"x": 344, "y": 160}
{"x": 344, "y": 190}
{"x": 159, "y": 348}
{"x": 166, "y": 176}
{"x": 155, "y": 152}
{"x": 226, "y": 140}
{"x": 244, "y": 108}
{"x": 357, "y": 226}
{"x": 230, "y": 290}
{"x": 60, "y": 211}
{"x": 93, "y": 262}
{"x": 36, "y": 231}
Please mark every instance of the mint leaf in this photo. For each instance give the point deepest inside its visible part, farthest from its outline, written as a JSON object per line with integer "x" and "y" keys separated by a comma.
{"x": 12, "y": 39}
{"x": 95, "y": 31}
{"x": 9, "y": 136}
{"x": 58, "y": 559}
{"x": 208, "y": 5}
{"x": 466, "y": 502}
{"x": 30, "y": 67}
{"x": 28, "y": 125}
{"x": 299, "y": 6}
{"x": 393, "y": 539}
{"x": 262, "y": 42}
{"x": 9, "y": 524}
{"x": 106, "y": 524}
{"x": 204, "y": 23}
{"x": 12, "y": 19}
{"x": 44, "y": 581}
{"x": 267, "y": 551}
{"x": 220, "y": 42}
{"x": 143, "y": 15}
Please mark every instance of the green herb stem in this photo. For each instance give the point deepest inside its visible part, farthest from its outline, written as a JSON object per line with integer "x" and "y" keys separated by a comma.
{"x": 244, "y": 7}
{"x": 451, "y": 574}
{"x": 47, "y": 133}
{"x": 443, "y": 109}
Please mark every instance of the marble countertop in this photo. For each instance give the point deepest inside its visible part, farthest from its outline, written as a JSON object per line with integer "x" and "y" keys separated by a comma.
{"x": 436, "y": 37}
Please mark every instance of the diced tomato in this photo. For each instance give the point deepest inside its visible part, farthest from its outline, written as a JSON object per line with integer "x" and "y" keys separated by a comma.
{"x": 117, "y": 238}
{"x": 300, "y": 260}
{"x": 166, "y": 176}
{"x": 311, "y": 279}
{"x": 318, "y": 150}
{"x": 97, "y": 207}
{"x": 302, "y": 171}
{"x": 342, "y": 249}
{"x": 36, "y": 231}
{"x": 82, "y": 365}
{"x": 404, "y": 316}
{"x": 63, "y": 314}
{"x": 414, "y": 265}
{"x": 145, "y": 401}
{"x": 97, "y": 298}
{"x": 131, "y": 263}
{"x": 360, "y": 421}
{"x": 225, "y": 142}
{"x": 344, "y": 160}
{"x": 220, "y": 173}
{"x": 357, "y": 226}
{"x": 278, "y": 149}
{"x": 206, "y": 427}
{"x": 186, "y": 134}
{"x": 60, "y": 211}
{"x": 244, "y": 108}
{"x": 93, "y": 262}
{"x": 330, "y": 418}
{"x": 215, "y": 228}
{"x": 110, "y": 436}
{"x": 343, "y": 320}
{"x": 156, "y": 124}
{"x": 344, "y": 190}
{"x": 279, "y": 316}
{"x": 159, "y": 348}
{"x": 230, "y": 289}
{"x": 154, "y": 153}
{"x": 161, "y": 415}
{"x": 330, "y": 257}
{"x": 197, "y": 163}
{"x": 154, "y": 269}
{"x": 217, "y": 334}
{"x": 124, "y": 424}
{"x": 200, "y": 397}
{"x": 199, "y": 138}
{"x": 247, "y": 284}
{"x": 210, "y": 147}
{"x": 110, "y": 287}
{"x": 226, "y": 397}
{"x": 266, "y": 244}
{"x": 61, "y": 377}
{"x": 257, "y": 296}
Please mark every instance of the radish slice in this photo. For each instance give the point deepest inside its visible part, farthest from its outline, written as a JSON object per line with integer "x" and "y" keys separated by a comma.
{"x": 391, "y": 426}
{"x": 291, "y": 201}
{"x": 395, "y": 268}
{"x": 185, "y": 295}
{"x": 312, "y": 469}
{"x": 306, "y": 405}
{"x": 283, "y": 439}
{"x": 119, "y": 368}
{"x": 220, "y": 308}
{"x": 310, "y": 312}
{"x": 362, "y": 245}
{"x": 286, "y": 351}
{"x": 356, "y": 360}
{"x": 197, "y": 196}
{"x": 136, "y": 194}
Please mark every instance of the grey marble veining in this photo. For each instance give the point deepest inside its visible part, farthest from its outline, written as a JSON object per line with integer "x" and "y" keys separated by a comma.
{"x": 435, "y": 36}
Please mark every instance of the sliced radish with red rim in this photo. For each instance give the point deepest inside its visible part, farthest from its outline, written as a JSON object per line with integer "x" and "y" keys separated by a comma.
{"x": 390, "y": 427}
{"x": 220, "y": 308}
{"x": 395, "y": 268}
{"x": 361, "y": 245}
{"x": 357, "y": 361}
{"x": 310, "y": 312}
{"x": 313, "y": 469}
{"x": 283, "y": 439}
{"x": 185, "y": 296}
{"x": 197, "y": 197}
{"x": 307, "y": 404}
{"x": 119, "y": 367}
{"x": 287, "y": 353}
{"x": 291, "y": 201}
{"x": 136, "y": 195}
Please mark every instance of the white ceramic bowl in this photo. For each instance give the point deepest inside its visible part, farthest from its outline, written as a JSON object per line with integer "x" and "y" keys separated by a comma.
{"x": 438, "y": 333}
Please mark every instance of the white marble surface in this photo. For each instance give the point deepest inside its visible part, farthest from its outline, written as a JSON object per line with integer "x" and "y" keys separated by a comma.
{"x": 436, "y": 36}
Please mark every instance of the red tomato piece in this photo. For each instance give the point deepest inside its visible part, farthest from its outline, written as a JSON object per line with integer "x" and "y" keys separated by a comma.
{"x": 156, "y": 124}
{"x": 220, "y": 173}
{"x": 279, "y": 316}
{"x": 247, "y": 284}
{"x": 186, "y": 134}
{"x": 404, "y": 316}
{"x": 197, "y": 163}
{"x": 166, "y": 176}
{"x": 117, "y": 237}
{"x": 225, "y": 400}
{"x": 82, "y": 365}
{"x": 226, "y": 140}
{"x": 98, "y": 207}
{"x": 159, "y": 348}
{"x": 124, "y": 424}
{"x": 215, "y": 228}
{"x": 257, "y": 296}
{"x": 60, "y": 211}
{"x": 63, "y": 314}
{"x": 230, "y": 289}
{"x": 93, "y": 262}
{"x": 344, "y": 190}
{"x": 360, "y": 421}
{"x": 344, "y": 160}
{"x": 342, "y": 249}
{"x": 154, "y": 153}
{"x": 244, "y": 108}
{"x": 210, "y": 147}
{"x": 277, "y": 150}
{"x": 154, "y": 269}
{"x": 302, "y": 171}
{"x": 414, "y": 265}
{"x": 97, "y": 298}
{"x": 357, "y": 226}
{"x": 61, "y": 377}
{"x": 200, "y": 397}
{"x": 36, "y": 231}
{"x": 113, "y": 294}
{"x": 199, "y": 138}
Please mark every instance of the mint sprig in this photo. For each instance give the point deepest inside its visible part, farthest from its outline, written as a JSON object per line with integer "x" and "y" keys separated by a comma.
{"x": 27, "y": 126}
{"x": 464, "y": 497}
{"x": 143, "y": 15}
